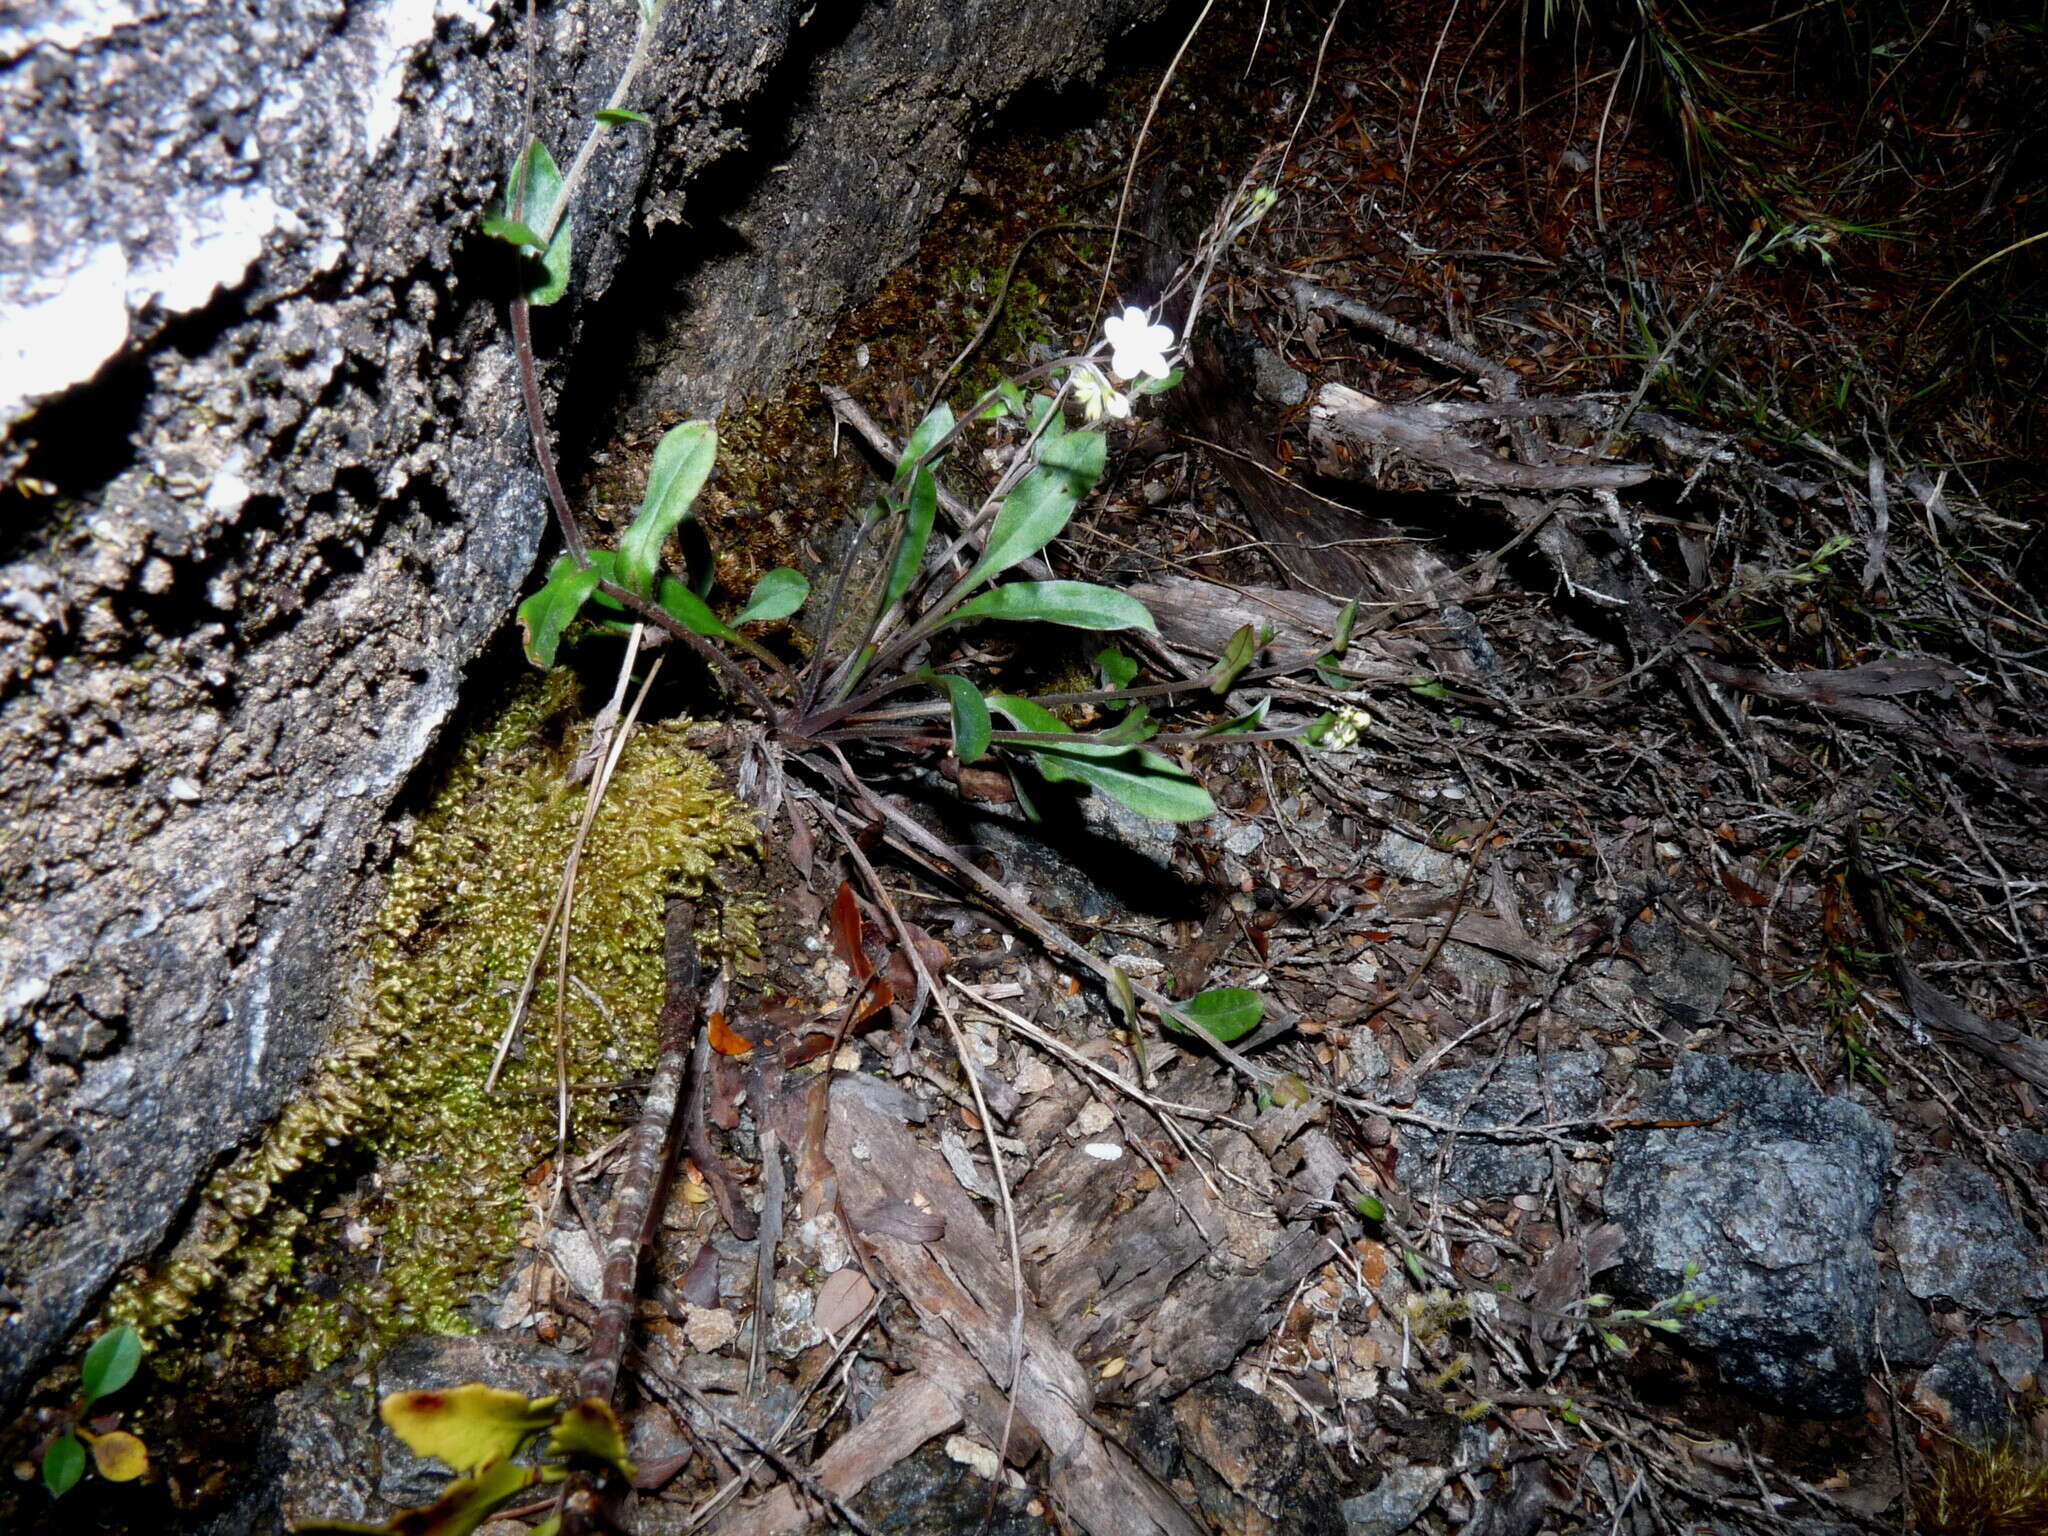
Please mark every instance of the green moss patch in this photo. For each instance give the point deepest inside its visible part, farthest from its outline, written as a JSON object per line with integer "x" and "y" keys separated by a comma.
{"x": 388, "y": 1195}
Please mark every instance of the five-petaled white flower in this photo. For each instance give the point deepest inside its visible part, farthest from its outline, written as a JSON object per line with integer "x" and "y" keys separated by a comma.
{"x": 1097, "y": 395}
{"x": 1137, "y": 347}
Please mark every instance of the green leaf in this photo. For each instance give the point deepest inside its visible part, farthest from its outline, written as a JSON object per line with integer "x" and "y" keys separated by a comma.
{"x": 1032, "y": 516}
{"x": 1118, "y": 670}
{"x": 511, "y": 231}
{"x": 110, "y": 1363}
{"x": 1371, "y": 1207}
{"x": 535, "y": 191}
{"x": 1340, "y": 642}
{"x": 970, "y": 716}
{"x": 776, "y": 596}
{"x": 464, "y": 1505}
{"x": 589, "y": 1431}
{"x": 1413, "y": 1261}
{"x": 547, "y": 613}
{"x": 691, "y": 611}
{"x": 618, "y": 115}
{"x": 682, "y": 463}
{"x": 1251, "y": 720}
{"x": 466, "y": 1426}
{"x": 1146, "y": 782}
{"x": 1158, "y": 386}
{"x": 1428, "y": 688}
{"x": 1078, "y": 455}
{"x": 1076, "y": 604}
{"x": 1327, "y": 673}
{"x": 1135, "y": 727}
{"x": 63, "y": 1465}
{"x": 935, "y": 426}
{"x": 1126, "y": 1001}
{"x": 917, "y": 534}
{"x": 1009, "y": 401}
{"x": 1238, "y": 652}
{"x": 1228, "y": 1013}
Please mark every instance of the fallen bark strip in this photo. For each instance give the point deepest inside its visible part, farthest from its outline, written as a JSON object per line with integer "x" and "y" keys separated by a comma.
{"x": 954, "y": 1280}
{"x": 1346, "y": 421}
{"x": 906, "y": 1416}
{"x": 636, "y": 1205}
{"x": 647, "y": 1156}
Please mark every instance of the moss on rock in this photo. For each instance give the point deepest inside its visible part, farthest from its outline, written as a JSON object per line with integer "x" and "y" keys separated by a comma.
{"x": 396, "y": 1127}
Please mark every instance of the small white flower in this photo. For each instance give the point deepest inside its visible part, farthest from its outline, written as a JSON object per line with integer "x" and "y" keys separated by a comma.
{"x": 1097, "y": 395}
{"x": 1137, "y": 347}
{"x": 1345, "y": 729}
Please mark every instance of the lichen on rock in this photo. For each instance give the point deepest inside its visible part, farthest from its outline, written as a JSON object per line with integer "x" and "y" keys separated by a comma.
{"x": 399, "y": 1099}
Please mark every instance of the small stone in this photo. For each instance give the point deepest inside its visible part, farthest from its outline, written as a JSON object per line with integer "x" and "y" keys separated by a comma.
{"x": 185, "y": 790}
{"x": 1095, "y": 1118}
{"x": 709, "y": 1329}
{"x": 974, "y": 1456}
{"x": 1033, "y": 1076}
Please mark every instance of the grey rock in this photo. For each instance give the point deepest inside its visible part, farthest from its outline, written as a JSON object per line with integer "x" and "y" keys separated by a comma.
{"x": 1958, "y": 1241}
{"x": 339, "y": 1463}
{"x": 1687, "y": 978}
{"x": 1903, "y": 1332}
{"x": 1959, "y": 1389}
{"x": 1275, "y": 382}
{"x": 248, "y": 321}
{"x": 2013, "y": 1350}
{"x": 1774, "y": 1201}
{"x": 1397, "y": 1503}
{"x": 1481, "y": 1167}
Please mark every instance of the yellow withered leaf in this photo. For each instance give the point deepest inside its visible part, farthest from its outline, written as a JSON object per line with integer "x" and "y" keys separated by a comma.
{"x": 119, "y": 1456}
{"x": 466, "y": 1426}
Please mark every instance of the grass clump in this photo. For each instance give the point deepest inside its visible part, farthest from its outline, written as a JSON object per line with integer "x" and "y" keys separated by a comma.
{"x": 1998, "y": 1491}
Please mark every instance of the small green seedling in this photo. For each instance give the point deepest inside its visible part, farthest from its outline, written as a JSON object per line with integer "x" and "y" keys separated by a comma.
{"x": 116, "y": 1455}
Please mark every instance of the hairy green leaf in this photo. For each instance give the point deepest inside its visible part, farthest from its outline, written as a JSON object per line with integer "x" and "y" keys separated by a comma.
{"x": 935, "y": 426}
{"x": 970, "y": 716}
{"x": 682, "y": 463}
{"x": 1146, "y": 782}
{"x": 775, "y": 596}
{"x": 1079, "y": 455}
{"x": 1228, "y": 1013}
{"x": 917, "y": 534}
{"x": 691, "y": 611}
{"x": 1135, "y": 727}
{"x": 110, "y": 1363}
{"x": 548, "y": 612}
{"x": 536, "y": 191}
{"x": 511, "y": 231}
{"x": 1076, "y": 604}
{"x": 1238, "y": 652}
{"x": 1117, "y": 669}
{"x": 1032, "y": 516}
{"x": 1251, "y": 720}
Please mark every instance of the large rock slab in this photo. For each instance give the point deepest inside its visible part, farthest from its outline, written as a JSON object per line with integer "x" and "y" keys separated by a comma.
{"x": 1773, "y": 1196}
{"x": 255, "y": 385}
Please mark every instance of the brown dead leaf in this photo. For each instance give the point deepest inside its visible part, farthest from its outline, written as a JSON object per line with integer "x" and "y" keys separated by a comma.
{"x": 726, "y": 1040}
{"x": 842, "y": 1299}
